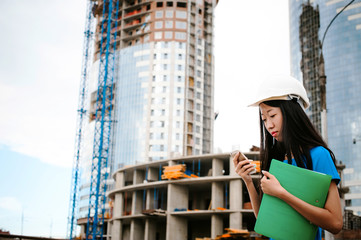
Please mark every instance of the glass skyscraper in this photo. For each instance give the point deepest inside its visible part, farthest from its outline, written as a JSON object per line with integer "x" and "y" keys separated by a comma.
{"x": 163, "y": 90}
{"x": 342, "y": 62}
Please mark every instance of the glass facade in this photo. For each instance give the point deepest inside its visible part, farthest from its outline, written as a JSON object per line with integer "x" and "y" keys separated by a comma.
{"x": 342, "y": 56}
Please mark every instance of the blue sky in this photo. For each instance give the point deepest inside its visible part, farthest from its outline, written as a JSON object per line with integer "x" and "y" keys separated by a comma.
{"x": 40, "y": 63}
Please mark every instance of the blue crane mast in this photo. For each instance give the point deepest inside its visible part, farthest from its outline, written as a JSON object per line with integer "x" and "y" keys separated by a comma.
{"x": 103, "y": 119}
{"x": 86, "y": 60}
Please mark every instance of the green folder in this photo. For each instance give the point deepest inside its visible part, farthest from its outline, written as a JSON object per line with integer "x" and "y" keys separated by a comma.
{"x": 277, "y": 219}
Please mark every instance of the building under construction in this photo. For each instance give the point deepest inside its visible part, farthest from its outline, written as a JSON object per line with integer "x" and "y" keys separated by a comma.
{"x": 196, "y": 197}
{"x": 146, "y": 93}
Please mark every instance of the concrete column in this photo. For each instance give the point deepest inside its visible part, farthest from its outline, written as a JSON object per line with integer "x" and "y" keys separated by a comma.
{"x": 136, "y": 229}
{"x": 109, "y": 230}
{"x": 153, "y": 174}
{"x": 118, "y": 205}
{"x": 216, "y": 226}
{"x": 235, "y": 203}
{"x": 117, "y": 212}
{"x": 149, "y": 204}
{"x": 119, "y": 180}
{"x": 137, "y": 203}
{"x": 177, "y": 198}
{"x": 217, "y": 167}
{"x": 138, "y": 176}
{"x": 217, "y": 194}
{"x": 116, "y": 229}
{"x": 232, "y": 168}
{"x": 150, "y": 229}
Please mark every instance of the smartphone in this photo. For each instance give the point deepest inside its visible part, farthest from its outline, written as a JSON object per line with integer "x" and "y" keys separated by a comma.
{"x": 241, "y": 156}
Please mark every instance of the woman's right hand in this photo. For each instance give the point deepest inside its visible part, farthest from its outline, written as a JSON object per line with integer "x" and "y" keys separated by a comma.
{"x": 243, "y": 168}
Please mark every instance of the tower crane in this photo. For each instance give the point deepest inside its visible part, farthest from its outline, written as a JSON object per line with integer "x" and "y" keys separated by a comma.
{"x": 103, "y": 119}
{"x": 86, "y": 61}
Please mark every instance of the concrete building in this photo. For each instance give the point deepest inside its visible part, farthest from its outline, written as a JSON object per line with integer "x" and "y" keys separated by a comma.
{"x": 186, "y": 208}
{"x": 342, "y": 65}
{"x": 164, "y": 84}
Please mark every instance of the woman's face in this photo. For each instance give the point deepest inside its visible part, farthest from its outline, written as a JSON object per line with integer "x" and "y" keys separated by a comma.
{"x": 272, "y": 119}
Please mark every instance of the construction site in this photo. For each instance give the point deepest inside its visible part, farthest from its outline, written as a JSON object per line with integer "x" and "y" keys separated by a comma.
{"x": 199, "y": 197}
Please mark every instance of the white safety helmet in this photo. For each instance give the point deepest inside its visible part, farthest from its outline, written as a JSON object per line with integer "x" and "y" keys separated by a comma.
{"x": 280, "y": 87}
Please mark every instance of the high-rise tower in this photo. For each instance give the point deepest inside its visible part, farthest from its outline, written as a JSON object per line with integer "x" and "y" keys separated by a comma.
{"x": 342, "y": 61}
{"x": 163, "y": 87}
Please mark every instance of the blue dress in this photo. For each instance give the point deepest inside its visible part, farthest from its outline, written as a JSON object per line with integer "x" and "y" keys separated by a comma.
{"x": 321, "y": 162}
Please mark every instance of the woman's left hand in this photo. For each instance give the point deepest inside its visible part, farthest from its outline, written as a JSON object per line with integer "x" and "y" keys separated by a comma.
{"x": 270, "y": 185}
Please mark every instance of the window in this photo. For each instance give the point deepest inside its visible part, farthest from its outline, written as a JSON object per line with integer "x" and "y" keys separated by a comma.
{"x": 199, "y": 73}
{"x": 198, "y": 106}
{"x": 198, "y": 129}
{"x": 177, "y": 136}
{"x": 199, "y": 52}
{"x": 165, "y": 78}
{"x": 153, "y": 78}
{"x": 169, "y": 14}
{"x": 164, "y": 89}
{"x": 165, "y": 66}
{"x": 159, "y": 4}
{"x": 163, "y": 112}
{"x": 198, "y": 117}
{"x": 180, "y": 35}
{"x": 198, "y": 140}
{"x": 180, "y": 25}
{"x": 158, "y": 24}
{"x": 168, "y": 35}
{"x": 179, "y": 67}
{"x": 180, "y": 57}
{"x": 178, "y": 112}
{"x": 181, "y": 4}
{"x": 152, "y": 112}
{"x": 181, "y": 14}
{"x": 159, "y": 14}
{"x": 198, "y": 84}
{"x": 161, "y": 135}
{"x": 178, "y": 101}
{"x": 153, "y": 89}
{"x": 198, "y": 95}
{"x": 151, "y": 135}
{"x": 179, "y": 78}
{"x": 165, "y": 55}
{"x": 169, "y": 4}
{"x": 199, "y": 63}
{"x": 151, "y": 124}
{"x": 155, "y": 56}
{"x": 157, "y": 35}
{"x": 179, "y": 89}
{"x": 177, "y": 124}
{"x": 168, "y": 24}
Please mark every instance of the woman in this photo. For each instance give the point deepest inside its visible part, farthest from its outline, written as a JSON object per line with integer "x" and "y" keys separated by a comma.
{"x": 288, "y": 135}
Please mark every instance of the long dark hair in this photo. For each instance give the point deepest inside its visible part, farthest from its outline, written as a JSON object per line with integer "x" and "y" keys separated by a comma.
{"x": 298, "y": 137}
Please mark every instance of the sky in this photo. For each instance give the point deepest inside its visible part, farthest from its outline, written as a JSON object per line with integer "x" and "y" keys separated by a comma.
{"x": 40, "y": 64}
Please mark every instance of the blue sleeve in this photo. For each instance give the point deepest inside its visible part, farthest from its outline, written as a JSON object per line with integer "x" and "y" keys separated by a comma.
{"x": 323, "y": 163}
